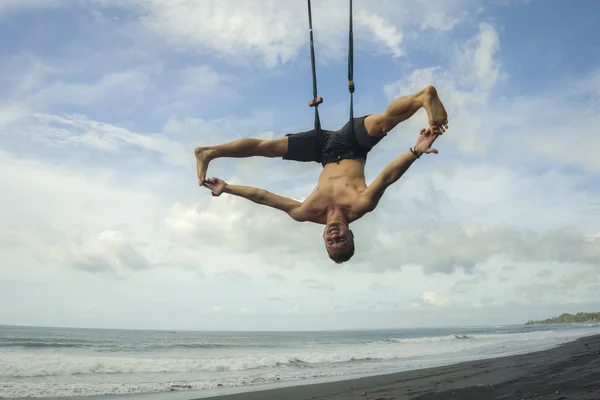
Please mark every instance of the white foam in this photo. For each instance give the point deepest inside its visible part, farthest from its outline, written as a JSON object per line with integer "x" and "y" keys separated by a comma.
{"x": 42, "y": 373}
{"x": 56, "y": 364}
{"x": 54, "y": 389}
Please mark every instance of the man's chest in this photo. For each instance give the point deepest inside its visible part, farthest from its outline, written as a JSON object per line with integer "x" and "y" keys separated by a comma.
{"x": 324, "y": 197}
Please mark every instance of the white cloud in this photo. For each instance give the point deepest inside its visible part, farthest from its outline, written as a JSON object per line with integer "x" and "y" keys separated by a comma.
{"x": 272, "y": 33}
{"x": 100, "y": 200}
{"x": 24, "y": 73}
{"x": 204, "y": 79}
{"x": 121, "y": 83}
{"x": 114, "y": 85}
{"x": 108, "y": 252}
{"x": 78, "y": 130}
{"x": 477, "y": 56}
{"x": 434, "y": 299}
{"x": 442, "y": 247}
{"x": 245, "y": 227}
{"x": 537, "y": 126}
{"x": 7, "y": 6}
{"x": 79, "y": 218}
{"x": 464, "y": 88}
{"x": 10, "y": 115}
{"x": 386, "y": 32}
{"x": 235, "y": 30}
{"x": 559, "y": 117}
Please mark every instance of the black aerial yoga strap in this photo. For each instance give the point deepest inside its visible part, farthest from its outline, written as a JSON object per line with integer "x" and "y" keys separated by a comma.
{"x": 351, "y": 70}
{"x": 318, "y": 100}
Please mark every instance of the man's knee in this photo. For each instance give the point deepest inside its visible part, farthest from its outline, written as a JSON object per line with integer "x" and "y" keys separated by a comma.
{"x": 375, "y": 124}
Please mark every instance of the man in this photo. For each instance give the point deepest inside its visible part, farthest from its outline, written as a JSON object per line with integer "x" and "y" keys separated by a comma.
{"x": 341, "y": 195}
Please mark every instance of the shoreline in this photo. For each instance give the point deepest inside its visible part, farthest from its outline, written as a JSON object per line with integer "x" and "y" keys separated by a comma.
{"x": 568, "y": 371}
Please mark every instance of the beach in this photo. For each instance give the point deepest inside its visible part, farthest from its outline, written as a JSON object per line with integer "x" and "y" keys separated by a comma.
{"x": 513, "y": 361}
{"x": 569, "y": 371}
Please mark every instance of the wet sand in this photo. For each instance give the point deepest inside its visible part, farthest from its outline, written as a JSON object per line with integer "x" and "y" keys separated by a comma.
{"x": 570, "y": 371}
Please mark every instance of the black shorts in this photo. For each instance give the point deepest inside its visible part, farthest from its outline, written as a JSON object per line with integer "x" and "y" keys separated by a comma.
{"x": 331, "y": 146}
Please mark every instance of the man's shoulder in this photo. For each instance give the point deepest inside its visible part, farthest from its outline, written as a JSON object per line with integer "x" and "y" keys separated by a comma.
{"x": 363, "y": 205}
{"x": 298, "y": 214}
{"x": 306, "y": 212}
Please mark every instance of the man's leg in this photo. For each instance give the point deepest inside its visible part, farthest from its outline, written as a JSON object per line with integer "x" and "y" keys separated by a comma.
{"x": 241, "y": 148}
{"x": 403, "y": 108}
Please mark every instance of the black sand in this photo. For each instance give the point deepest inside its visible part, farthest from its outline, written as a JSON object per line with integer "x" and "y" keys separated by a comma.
{"x": 570, "y": 371}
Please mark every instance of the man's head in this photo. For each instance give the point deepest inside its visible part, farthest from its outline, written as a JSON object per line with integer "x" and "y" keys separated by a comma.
{"x": 339, "y": 241}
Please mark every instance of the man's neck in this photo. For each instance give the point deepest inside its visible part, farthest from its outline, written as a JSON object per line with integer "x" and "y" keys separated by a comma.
{"x": 336, "y": 214}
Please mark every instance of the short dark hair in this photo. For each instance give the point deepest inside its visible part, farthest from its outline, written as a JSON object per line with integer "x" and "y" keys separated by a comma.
{"x": 343, "y": 256}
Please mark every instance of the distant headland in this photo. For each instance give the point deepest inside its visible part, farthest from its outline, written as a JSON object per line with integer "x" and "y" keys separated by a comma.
{"x": 566, "y": 318}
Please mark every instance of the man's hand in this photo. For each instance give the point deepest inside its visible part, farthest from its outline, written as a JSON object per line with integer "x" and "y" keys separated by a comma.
{"x": 425, "y": 140}
{"x": 215, "y": 185}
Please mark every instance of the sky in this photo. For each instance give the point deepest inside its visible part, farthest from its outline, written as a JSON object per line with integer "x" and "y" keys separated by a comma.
{"x": 102, "y": 223}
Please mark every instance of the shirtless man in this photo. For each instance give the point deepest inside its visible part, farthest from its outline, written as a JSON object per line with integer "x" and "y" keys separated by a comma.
{"x": 341, "y": 195}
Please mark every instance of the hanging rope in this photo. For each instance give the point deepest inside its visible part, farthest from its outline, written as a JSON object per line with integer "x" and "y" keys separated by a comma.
{"x": 315, "y": 100}
{"x": 351, "y": 70}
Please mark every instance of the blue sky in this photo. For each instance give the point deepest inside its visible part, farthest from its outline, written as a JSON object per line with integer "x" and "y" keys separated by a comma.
{"x": 103, "y": 101}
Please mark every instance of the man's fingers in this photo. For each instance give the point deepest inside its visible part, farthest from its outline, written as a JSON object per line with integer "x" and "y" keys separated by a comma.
{"x": 437, "y": 130}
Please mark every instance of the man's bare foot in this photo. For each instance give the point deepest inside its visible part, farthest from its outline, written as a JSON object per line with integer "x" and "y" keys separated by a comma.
{"x": 202, "y": 159}
{"x": 438, "y": 118}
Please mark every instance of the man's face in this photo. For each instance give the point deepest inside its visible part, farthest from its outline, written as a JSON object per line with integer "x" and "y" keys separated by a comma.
{"x": 338, "y": 238}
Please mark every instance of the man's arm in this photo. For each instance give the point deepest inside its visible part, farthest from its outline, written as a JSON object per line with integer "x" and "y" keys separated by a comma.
{"x": 394, "y": 170}
{"x": 264, "y": 197}
{"x": 389, "y": 175}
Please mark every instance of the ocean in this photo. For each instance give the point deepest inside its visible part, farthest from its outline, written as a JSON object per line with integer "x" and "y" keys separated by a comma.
{"x": 78, "y": 363}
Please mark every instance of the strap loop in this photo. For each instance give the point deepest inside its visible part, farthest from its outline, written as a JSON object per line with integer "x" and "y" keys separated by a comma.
{"x": 315, "y": 102}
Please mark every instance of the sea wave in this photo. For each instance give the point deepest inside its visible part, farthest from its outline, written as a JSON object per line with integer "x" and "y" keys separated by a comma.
{"x": 117, "y": 347}
{"x": 19, "y": 367}
{"x": 17, "y": 364}
{"x": 53, "y": 389}
{"x": 40, "y": 366}
{"x": 524, "y": 335}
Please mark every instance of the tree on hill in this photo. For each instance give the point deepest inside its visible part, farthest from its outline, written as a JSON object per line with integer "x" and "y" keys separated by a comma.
{"x": 566, "y": 318}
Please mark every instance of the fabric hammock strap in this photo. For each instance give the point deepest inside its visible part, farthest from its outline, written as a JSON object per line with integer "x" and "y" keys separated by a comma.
{"x": 315, "y": 100}
{"x": 351, "y": 70}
